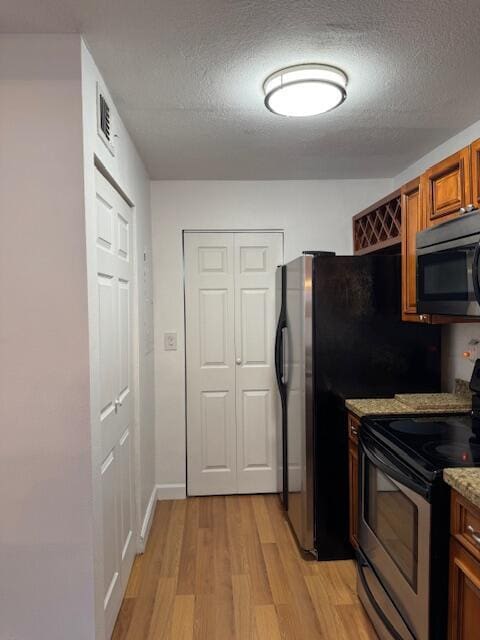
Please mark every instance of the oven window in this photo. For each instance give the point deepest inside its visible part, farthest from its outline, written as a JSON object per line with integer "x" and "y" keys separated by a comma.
{"x": 444, "y": 276}
{"x": 394, "y": 520}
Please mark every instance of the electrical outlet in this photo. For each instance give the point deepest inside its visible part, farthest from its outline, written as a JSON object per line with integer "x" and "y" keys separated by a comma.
{"x": 170, "y": 341}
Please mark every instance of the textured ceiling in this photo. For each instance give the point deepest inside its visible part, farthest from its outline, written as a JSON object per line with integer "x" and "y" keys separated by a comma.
{"x": 187, "y": 78}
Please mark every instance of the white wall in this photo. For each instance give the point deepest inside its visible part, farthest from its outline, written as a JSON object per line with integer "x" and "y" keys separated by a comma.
{"x": 313, "y": 214}
{"x": 455, "y": 337}
{"x": 126, "y": 168}
{"x": 48, "y": 507}
{"x": 46, "y": 545}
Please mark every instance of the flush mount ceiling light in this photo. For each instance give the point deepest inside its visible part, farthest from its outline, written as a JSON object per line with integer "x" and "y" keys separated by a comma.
{"x": 305, "y": 90}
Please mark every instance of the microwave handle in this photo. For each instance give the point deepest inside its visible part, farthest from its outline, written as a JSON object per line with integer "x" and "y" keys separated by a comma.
{"x": 475, "y": 264}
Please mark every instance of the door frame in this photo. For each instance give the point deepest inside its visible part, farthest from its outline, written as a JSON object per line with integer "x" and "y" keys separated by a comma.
{"x": 94, "y": 365}
{"x": 207, "y": 231}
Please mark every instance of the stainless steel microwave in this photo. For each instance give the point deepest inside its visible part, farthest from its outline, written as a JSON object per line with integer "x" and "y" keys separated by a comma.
{"x": 448, "y": 267}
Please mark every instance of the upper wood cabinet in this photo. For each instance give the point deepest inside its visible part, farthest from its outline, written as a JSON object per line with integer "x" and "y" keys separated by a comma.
{"x": 413, "y": 220}
{"x": 475, "y": 156}
{"x": 447, "y": 187}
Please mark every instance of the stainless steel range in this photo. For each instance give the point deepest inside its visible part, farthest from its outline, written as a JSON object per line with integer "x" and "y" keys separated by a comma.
{"x": 404, "y": 517}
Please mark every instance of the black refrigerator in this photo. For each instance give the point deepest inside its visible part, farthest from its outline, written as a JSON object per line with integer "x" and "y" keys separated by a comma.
{"x": 339, "y": 335}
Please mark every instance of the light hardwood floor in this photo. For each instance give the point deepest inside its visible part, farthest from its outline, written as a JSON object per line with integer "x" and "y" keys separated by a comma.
{"x": 222, "y": 568}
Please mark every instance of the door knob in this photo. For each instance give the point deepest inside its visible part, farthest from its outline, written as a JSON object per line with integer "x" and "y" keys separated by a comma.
{"x": 238, "y": 361}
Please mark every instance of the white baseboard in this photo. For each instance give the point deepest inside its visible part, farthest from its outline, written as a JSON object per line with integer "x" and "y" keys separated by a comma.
{"x": 147, "y": 520}
{"x": 171, "y": 491}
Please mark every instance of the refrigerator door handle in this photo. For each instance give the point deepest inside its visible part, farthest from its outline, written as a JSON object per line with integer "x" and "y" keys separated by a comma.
{"x": 279, "y": 354}
{"x": 284, "y": 356}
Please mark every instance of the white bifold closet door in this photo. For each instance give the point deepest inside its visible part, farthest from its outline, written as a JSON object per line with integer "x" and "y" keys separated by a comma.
{"x": 114, "y": 242}
{"x": 231, "y": 387}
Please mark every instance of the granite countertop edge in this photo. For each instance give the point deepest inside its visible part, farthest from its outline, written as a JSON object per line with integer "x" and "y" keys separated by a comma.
{"x": 466, "y": 481}
{"x": 391, "y": 406}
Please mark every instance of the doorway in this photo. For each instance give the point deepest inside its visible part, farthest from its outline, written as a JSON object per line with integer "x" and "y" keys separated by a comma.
{"x": 231, "y": 389}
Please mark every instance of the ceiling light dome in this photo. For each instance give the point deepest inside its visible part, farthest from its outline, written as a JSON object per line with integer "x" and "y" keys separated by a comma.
{"x": 305, "y": 90}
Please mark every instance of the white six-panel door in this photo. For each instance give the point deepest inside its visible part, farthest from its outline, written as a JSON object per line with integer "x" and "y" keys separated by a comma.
{"x": 230, "y": 330}
{"x": 114, "y": 243}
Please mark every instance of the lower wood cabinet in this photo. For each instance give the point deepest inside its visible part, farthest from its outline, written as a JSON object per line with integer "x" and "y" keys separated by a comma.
{"x": 353, "y": 424}
{"x": 464, "y": 623}
{"x": 464, "y": 598}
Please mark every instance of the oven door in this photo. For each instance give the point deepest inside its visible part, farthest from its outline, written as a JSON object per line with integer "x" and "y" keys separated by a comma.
{"x": 394, "y": 536}
{"x": 448, "y": 278}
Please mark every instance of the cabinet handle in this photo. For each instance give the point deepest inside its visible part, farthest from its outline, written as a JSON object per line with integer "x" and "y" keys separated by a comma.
{"x": 475, "y": 534}
{"x": 423, "y": 317}
{"x": 354, "y": 431}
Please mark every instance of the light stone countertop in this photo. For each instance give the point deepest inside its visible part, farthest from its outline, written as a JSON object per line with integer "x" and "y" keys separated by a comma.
{"x": 436, "y": 403}
{"x": 466, "y": 481}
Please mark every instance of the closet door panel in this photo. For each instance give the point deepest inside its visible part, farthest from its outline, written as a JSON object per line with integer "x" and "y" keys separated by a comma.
{"x": 257, "y": 256}
{"x": 211, "y": 426}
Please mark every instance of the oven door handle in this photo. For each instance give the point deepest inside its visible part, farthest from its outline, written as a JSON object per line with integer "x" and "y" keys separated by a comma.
{"x": 475, "y": 262}
{"x": 361, "y": 563}
{"x": 396, "y": 471}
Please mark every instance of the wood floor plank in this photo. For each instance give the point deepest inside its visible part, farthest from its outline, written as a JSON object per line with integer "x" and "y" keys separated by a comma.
{"x": 228, "y": 568}
{"x": 236, "y": 539}
{"x": 277, "y": 577}
{"x": 266, "y": 622}
{"x": 336, "y": 588}
{"x": 264, "y": 524}
{"x": 244, "y": 608}
{"x": 205, "y": 571}
{"x": 182, "y": 618}
{"x": 170, "y": 561}
{"x": 150, "y": 574}
{"x": 328, "y": 618}
{"x": 356, "y": 625}
{"x": 188, "y": 554}
{"x": 163, "y": 611}
{"x": 290, "y": 624}
{"x": 204, "y": 618}
{"x": 293, "y": 563}
{"x": 124, "y": 619}
{"x": 257, "y": 570}
{"x": 135, "y": 580}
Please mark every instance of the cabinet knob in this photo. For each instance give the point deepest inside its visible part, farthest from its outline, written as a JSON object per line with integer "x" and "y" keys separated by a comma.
{"x": 238, "y": 361}
{"x": 462, "y": 210}
{"x": 470, "y": 207}
{"x": 423, "y": 317}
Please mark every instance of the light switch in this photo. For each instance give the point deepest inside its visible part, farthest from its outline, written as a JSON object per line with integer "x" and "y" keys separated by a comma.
{"x": 170, "y": 341}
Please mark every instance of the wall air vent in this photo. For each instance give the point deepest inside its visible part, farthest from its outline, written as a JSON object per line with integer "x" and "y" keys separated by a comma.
{"x": 104, "y": 117}
{"x": 104, "y": 120}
